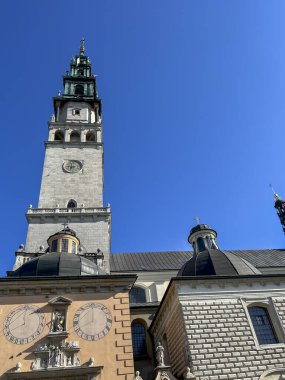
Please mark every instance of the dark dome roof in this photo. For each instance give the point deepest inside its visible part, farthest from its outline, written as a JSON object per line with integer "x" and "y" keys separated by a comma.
{"x": 57, "y": 264}
{"x": 65, "y": 231}
{"x": 213, "y": 262}
{"x": 200, "y": 227}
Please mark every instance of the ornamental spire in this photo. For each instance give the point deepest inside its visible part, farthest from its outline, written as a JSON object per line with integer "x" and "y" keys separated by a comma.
{"x": 279, "y": 204}
{"x": 82, "y": 46}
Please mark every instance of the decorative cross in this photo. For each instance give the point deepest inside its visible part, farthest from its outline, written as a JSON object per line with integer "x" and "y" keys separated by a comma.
{"x": 197, "y": 219}
{"x": 65, "y": 225}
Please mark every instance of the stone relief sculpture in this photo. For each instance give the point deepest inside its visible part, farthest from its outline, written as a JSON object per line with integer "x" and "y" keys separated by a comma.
{"x": 51, "y": 356}
{"x": 18, "y": 367}
{"x": 57, "y": 357}
{"x": 91, "y": 362}
{"x": 164, "y": 376}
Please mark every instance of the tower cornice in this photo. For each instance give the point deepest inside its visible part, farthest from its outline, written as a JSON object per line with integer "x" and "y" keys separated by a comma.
{"x": 65, "y": 144}
{"x": 74, "y": 125}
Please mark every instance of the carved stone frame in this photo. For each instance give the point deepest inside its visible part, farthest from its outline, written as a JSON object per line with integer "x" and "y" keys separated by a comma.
{"x": 83, "y": 373}
{"x": 59, "y": 305}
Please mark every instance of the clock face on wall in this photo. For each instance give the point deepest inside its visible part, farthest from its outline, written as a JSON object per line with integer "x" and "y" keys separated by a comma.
{"x": 23, "y": 324}
{"x": 72, "y": 166}
{"x": 92, "y": 321}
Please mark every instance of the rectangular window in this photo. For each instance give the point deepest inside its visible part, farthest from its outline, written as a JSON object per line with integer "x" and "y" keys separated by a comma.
{"x": 73, "y": 247}
{"x": 76, "y": 112}
{"x": 262, "y": 325}
{"x": 64, "y": 245}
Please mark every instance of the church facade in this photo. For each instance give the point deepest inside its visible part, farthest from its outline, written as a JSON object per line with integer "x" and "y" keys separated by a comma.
{"x": 72, "y": 310}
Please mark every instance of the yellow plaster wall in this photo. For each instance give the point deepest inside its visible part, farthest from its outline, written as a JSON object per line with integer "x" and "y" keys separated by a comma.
{"x": 114, "y": 351}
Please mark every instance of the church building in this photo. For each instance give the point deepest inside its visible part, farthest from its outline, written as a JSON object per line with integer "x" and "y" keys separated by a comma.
{"x": 71, "y": 309}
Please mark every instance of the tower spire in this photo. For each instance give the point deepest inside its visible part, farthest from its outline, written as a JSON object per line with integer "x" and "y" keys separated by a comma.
{"x": 82, "y": 46}
{"x": 279, "y": 204}
{"x": 275, "y": 195}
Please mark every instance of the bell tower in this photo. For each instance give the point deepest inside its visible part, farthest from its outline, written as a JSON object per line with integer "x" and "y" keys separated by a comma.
{"x": 72, "y": 180}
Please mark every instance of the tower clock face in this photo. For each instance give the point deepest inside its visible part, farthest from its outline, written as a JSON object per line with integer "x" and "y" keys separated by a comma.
{"x": 23, "y": 324}
{"x": 72, "y": 166}
{"x": 92, "y": 321}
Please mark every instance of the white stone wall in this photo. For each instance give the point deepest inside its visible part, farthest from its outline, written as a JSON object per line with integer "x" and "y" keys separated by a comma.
{"x": 222, "y": 343}
{"x": 93, "y": 234}
{"x": 85, "y": 187}
{"x": 87, "y": 113}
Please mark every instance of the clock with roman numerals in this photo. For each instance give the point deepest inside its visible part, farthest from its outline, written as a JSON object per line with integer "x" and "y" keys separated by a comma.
{"x": 24, "y": 324}
{"x": 92, "y": 321}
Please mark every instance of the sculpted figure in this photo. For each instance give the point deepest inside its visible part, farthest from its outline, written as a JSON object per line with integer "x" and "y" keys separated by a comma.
{"x": 57, "y": 357}
{"x": 58, "y": 323}
{"x": 159, "y": 354}
{"x": 18, "y": 367}
{"x": 138, "y": 377}
{"x": 91, "y": 362}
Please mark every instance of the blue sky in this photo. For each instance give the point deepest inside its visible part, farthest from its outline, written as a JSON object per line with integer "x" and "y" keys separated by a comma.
{"x": 194, "y": 114}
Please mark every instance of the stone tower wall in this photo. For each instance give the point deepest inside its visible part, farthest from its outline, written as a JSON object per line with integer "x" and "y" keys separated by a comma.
{"x": 85, "y": 187}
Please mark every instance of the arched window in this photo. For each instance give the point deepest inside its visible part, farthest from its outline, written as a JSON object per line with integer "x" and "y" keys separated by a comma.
{"x": 137, "y": 295}
{"x": 201, "y": 244}
{"x": 139, "y": 339}
{"x": 71, "y": 204}
{"x": 54, "y": 246}
{"x": 211, "y": 242}
{"x": 262, "y": 325}
{"x": 58, "y": 136}
{"x": 90, "y": 136}
{"x": 64, "y": 245}
{"x": 79, "y": 89}
{"x": 74, "y": 137}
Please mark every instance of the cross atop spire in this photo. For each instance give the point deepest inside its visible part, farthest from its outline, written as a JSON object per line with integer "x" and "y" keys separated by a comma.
{"x": 275, "y": 195}
{"x": 82, "y": 46}
{"x": 65, "y": 226}
{"x": 197, "y": 219}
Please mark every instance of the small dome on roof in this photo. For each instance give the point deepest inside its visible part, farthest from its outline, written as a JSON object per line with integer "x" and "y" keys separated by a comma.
{"x": 200, "y": 227}
{"x": 65, "y": 231}
{"x": 213, "y": 262}
{"x": 58, "y": 264}
{"x": 209, "y": 260}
